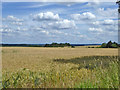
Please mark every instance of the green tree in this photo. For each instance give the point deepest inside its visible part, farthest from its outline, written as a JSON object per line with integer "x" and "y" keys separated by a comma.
{"x": 104, "y": 45}
{"x": 114, "y": 46}
{"x": 109, "y": 44}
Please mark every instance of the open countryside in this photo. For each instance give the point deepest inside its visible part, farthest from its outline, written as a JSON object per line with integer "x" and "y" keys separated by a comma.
{"x": 59, "y": 44}
{"x": 59, "y": 67}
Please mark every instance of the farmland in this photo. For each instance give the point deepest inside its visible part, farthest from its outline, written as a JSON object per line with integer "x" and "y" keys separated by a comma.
{"x": 59, "y": 67}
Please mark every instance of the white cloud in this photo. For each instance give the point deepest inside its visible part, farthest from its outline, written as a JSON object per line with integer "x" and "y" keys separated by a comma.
{"x": 107, "y": 13}
{"x": 57, "y": 25}
{"x": 83, "y": 16}
{"x": 21, "y": 29}
{"x": 96, "y": 29}
{"x": 96, "y": 23}
{"x": 36, "y": 6}
{"x": 46, "y": 32}
{"x": 18, "y": 28}
{"x": 6, "y": 30}
{"x": 90, "y": 4}
{"x": 64, "y": 24}
{"x": 24, "y": 29}
{"x": 53, "y": 21}
{"x": 12, "y": 18}
{"x": 59, "y": 33}
{"x": 105, "y": 27}
{"x": 3, "y": 26}
{"x": 39, "y": 29}
{"x": 17, "y": 23}
{"x": 68, "y": 4}
{"x": 56, "y": 32}
{"x": 108, "y": 22}
{"x": 45, "y": 16}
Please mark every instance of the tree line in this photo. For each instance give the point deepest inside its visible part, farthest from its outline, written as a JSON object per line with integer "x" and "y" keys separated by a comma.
{"x": 57, "y": 45}
{"x": 110, "y": 44}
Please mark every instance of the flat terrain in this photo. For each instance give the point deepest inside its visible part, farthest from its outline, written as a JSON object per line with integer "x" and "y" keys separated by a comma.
{"x": 40, "y": 58}
{"x": 79, "y": 67}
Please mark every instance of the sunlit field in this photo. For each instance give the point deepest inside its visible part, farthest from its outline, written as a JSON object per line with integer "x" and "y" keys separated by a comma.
{"x": 78, "y": 67}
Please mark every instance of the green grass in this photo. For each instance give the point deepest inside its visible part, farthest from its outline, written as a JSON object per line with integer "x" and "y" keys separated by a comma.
{"x": 90, "y": 72}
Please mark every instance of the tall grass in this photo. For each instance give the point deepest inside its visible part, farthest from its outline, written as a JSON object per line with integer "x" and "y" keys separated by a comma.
{"x": 90, "y": 72}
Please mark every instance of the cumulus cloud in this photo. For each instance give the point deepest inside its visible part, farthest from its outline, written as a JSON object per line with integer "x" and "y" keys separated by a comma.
{"x": 63, "y": 24}
{"x": 53, "y": 21}
{"x": 96, "y": 23}
{"x": 45, "y": 32}
{"x": 56, "y": 32}
{"x": 96, "y": 29}
{"x": 108, "y": 22}
{"x": 90, "y": 4}
{"x": 58, "y": 25}
{"x": 12, "y": 18}
{"x": 105, "y": 13}
{"x": 17, "y": 23}
{"x": 83, "y": 16}
{"x": 6, "y": 30}
{"x": 105, "y": 27}
{"x": 3, "y": 26}
{"x": 20, "y": 29}
{"x": 46, "y": 16}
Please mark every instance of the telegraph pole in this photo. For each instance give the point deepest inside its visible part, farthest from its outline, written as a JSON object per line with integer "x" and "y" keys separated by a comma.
{"x": 118, "y": 2}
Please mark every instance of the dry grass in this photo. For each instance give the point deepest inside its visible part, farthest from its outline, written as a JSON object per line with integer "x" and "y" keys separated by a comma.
{"x": 92, "y": 74}
{"x": 40, "y": 58}
{"x": 28, "y": 67}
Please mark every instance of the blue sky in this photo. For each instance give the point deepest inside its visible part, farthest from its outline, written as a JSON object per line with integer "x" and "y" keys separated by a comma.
{"x": 78, "y": 23}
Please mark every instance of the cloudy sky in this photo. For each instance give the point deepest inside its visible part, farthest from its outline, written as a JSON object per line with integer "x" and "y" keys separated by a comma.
{"x": 77, "y": 23}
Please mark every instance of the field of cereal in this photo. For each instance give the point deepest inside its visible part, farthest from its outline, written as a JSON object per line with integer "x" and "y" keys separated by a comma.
{"x": 59, "y": 67}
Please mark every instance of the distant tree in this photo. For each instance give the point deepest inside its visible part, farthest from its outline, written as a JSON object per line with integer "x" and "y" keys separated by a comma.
{"x": 103, "y": 45}
{"x": 68, "y": 44}
{"x": 46, "y": 45}
{"x": 109, "y": 44}
{"x": 72, "y": 46}
{"x": 57, "y": 45}
{"x": 54, "y": 43}
{"x": 116, "y": 43}
{"x": 114, "y": 46}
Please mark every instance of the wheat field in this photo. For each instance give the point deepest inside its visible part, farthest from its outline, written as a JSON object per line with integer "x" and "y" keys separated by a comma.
{"x": 78, "y": 67}
{"x": 36, "y": 58}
